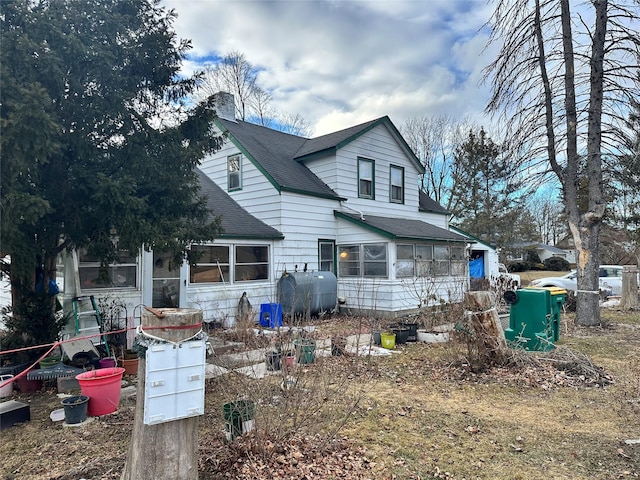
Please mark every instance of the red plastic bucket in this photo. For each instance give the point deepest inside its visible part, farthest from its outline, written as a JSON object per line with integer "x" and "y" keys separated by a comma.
{"x": 102, "y": 386}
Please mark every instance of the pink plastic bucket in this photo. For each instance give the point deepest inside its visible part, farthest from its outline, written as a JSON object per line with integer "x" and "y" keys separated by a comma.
{"x": 102, "y": 386}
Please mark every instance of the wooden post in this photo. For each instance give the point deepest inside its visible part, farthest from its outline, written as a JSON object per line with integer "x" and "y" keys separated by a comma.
{"x": 166, "y": 450}
{"x": 629, "y": 297}
{"x": 489, "y": 335}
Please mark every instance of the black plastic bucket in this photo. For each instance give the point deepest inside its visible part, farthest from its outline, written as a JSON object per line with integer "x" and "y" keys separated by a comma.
{"x": 75, "y": 409}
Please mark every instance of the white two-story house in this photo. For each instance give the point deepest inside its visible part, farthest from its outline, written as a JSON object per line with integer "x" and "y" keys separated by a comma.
{"x": 346, "y": 202}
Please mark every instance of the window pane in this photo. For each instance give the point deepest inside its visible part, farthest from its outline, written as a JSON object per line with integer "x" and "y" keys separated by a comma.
{"x": 377, "y": 251}
{"x": 209, "y": 274}
{"x": 404, "y": 252}
{"x": 326, "y": 256}
{"x": 107, "y": 277}
{"x": 424, "y": 252}
{"x": 457, "y": 253}
{"x": 375, "y": 260}
{"x": 211, "y": 254}
{"x": 458, "y": 268}
{"x": 244, "y": 273}
{"x": 441, "y": 268}
{"x": 375, "y": 269}
{"x": 425, "y": 268}
{"x": 365, "y": 178}
{"x": 252, "y": 263}
{"x": 349, "y": 260}
{"x": 404, "y": 268}
{"x": 234, "y": 172}
{"x": 252, "y": 254}
{"x": 441, "y": 253}
{"x": 397, "y": 184}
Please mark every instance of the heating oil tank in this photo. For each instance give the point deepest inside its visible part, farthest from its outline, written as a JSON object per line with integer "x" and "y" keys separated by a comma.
{"x": 307, "y": 292}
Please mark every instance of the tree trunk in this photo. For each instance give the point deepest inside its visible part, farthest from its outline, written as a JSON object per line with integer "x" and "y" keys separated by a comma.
{"x": 629, "y": 298}
{"x": 166, "y": 450}
{"x": 489, "y": 339}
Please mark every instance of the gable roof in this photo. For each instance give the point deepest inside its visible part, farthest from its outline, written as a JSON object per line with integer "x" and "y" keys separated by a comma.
{"x": 472, "y": 237}
{"x": 428, "y": 204}
{"x": 273, "y": 152}
{"x": 330, "y": 143}
{"x": 281, "y": 156}
{"x": 402, "y": 228}
{"x": 236, "y": 221}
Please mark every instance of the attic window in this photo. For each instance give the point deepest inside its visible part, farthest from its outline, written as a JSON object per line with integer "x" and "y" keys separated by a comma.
{"x": 366, "y": 169}
{"x": 234, "y": 172}
{"x": 396, "y": 184}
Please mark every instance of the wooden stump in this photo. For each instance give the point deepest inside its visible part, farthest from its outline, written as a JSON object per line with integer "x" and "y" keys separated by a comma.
{"x": 166, "y": 450}
{"x": 489, "y": 338}
{"x": 629, "y": 297}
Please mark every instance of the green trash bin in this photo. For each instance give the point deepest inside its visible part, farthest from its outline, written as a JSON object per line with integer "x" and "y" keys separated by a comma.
{"x": 534, "y": 317}
{"x": 238, "y": 417}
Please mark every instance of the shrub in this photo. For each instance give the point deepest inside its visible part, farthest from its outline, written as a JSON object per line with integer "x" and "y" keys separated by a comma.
{"x": 515, "y": 267}
{"x": 556, "y": 264}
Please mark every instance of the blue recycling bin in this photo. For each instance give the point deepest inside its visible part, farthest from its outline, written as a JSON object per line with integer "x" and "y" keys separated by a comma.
{"x": 271, "y": 315}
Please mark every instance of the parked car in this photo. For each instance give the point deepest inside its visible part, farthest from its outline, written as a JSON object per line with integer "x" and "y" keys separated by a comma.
{"x": 610, "y": 280}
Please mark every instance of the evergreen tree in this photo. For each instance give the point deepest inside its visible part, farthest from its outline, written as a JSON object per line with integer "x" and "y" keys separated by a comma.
{"x": 484, "y": 201}
{"x": 98, "y": 145}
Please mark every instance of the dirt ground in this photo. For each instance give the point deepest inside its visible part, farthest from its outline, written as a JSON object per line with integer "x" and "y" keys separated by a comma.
{"x": 424, "y": 414}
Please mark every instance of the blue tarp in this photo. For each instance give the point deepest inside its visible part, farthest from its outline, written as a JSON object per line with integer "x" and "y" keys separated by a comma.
{"x": 476, "y": 268}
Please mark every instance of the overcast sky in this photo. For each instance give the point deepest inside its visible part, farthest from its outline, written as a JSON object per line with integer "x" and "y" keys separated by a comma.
{"x": 340, "y": 63}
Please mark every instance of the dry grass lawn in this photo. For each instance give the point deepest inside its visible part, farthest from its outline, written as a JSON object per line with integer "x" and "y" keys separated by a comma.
{"x": 420, "y": 413}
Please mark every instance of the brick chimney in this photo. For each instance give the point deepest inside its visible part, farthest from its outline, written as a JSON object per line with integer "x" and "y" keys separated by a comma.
{"x": 225, "y": 105}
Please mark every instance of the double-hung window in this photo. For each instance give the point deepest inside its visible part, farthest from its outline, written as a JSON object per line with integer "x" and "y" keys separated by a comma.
{"x": 252, "y": 263}
{"x": 234, "y": 172}
{"x": 396, "y": 184}
{"x": 326, "y": 252}
{"x": 212, "y": 264}
{"x": 366, "y": 184}
{"x": 365, "y": 260}
{"x": 121, "y": 273}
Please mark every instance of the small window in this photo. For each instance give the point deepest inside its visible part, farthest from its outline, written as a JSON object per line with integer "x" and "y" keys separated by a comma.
{"x": 234, "y": 172}
{"x": 349, "y": 260}
{"x": 212, "y": 264}
{"x": 326, "y": 249}
{"x": 441, "y": 260}
{"x": 458, "y": 261}
{"x": 368, "y": 260}
{"x": 252, "y": 263}
{"x": 93, "y": 273}
{"x": 365, "y": 178}
{"x": 424, "y": 260}
{"x": 375, "y": 260}
{"x": 404, "y": 261}
{"x": 396, "y": 184}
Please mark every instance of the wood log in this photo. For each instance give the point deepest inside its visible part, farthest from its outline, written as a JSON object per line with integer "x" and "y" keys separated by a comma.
{"x": 489, "y": 339}
{"x": 166, "y": 450}
{"x": 629, "y": 296}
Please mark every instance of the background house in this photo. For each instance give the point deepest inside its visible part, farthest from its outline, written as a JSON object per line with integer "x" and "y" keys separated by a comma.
{"x": 346, "y": 203}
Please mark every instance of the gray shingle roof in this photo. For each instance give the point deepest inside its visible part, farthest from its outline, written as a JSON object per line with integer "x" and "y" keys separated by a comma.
{"x": 332, "y": 140}
{"x": 274, "y": 152}
{"x": 236, "y": 221}
{"x": 402, "y": 228}
{"x": 427, "y": 204}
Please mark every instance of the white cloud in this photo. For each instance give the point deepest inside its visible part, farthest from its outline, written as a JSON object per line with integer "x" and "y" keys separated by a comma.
{"x": 338, "y": 63}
